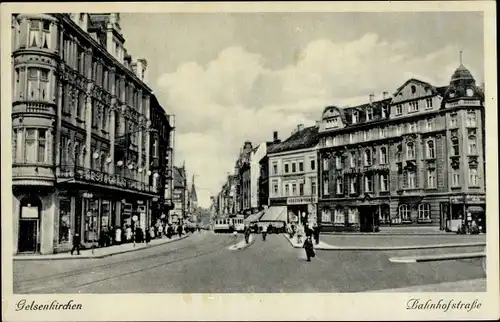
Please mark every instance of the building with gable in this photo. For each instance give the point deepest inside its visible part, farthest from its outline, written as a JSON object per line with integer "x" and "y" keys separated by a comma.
{"x": 413, "y": 159}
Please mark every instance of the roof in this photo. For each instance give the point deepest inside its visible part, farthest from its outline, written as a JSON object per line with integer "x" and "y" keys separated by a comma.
{"x": 179, "y": 177}
{"x": 194, "y": 197}
{"x": 412, "y": 80}
{"x": 365, "y": 105}
{"x": 303, "y": 139}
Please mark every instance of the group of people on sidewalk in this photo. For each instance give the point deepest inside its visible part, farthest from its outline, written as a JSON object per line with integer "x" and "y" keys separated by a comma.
{"x": 264, "y": 231}
{"x": 308, "y": 230}
{"x": 118, "y": 236}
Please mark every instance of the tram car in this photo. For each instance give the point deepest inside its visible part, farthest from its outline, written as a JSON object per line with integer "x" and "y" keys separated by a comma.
{"x": 223, "y": 225}
{"x": 238, "y": 224}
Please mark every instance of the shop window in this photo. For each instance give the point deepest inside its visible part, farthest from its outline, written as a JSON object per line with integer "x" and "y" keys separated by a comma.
{"x": 472, "y": 144}
{"x": 404, "y": 212}
{"x": 383, "y": 155}
{"x": 384, "y": 182}
{"x": 64, "y": 220}
{"x": 431, "y": 152}
{"x": 410, "y": 151}
{"x": 431, "y": 178}
{"x": 105, "y": 215}
{"x": 339, "y": 216}
{"x": 326, "y": 216}
{"x": 473, "y": 178}
{"x": 424, "y": 212}
{"x": 38, "y": 84}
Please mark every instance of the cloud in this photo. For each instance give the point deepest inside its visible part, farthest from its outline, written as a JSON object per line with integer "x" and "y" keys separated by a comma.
{"x": 234, "y": 98}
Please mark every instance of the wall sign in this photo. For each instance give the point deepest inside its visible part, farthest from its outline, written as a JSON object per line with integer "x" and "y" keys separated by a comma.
{"x": 29, "y": 212}
{"x": 301, "y": 200}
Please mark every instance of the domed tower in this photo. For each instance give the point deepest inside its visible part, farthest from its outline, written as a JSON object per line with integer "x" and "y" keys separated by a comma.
{"x": 462, "y": 86}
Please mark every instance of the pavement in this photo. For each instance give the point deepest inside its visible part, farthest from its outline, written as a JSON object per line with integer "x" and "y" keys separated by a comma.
{"x": 203, "y": 263}
{"x": 473, "y": 285}
{"x": 99, "y": 252}
{"x": 429, "y": 258}
{"x": 383, "y": 242}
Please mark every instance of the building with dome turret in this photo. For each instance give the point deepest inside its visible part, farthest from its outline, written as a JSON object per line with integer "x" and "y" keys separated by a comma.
{"x": 413, "y": 159}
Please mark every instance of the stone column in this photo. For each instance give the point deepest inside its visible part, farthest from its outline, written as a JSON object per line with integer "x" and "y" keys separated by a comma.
{"x": 16, "y": 206}
{"x": 88, "y": 125}
{"x": 48, "y": 214}
{"x": 57, "y": 132}
{"x": 112, "y": 121}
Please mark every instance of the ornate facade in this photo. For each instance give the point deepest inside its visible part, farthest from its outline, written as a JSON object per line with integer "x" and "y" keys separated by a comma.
{"x": 80, "y": 131}
{"x": 415, "y": 158}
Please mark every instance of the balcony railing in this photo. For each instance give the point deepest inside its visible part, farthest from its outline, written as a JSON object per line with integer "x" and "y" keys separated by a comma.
{"x": 95, "y": 176}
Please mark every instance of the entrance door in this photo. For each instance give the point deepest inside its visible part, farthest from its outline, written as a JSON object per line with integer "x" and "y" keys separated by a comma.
{"x": 366, "y": 218}
{"x": 28, "y": 236}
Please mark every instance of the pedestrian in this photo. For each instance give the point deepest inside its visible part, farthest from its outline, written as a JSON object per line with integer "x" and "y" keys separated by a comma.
{"x": 111, "y": 236}
{"x": 179, "y": 230}
{"x": 293, "y": 230}
{"x": 309, "y": 248}
{"x": 118, "y": 235}
{"x": 160, "y": 231}
{"x": 247, "y": 234}
{"x": 308, "y": 230}
{"x": 264, "y": 232}
{"x": 151, "y": 232}
{"x": 76, "y": 244}
{"x": 128, "y": 233}
{"x": 147, "y": 238}
{"x": 316, "y": 230}
{"x": 169, "y": 231}
{"x": 300, "y": 234}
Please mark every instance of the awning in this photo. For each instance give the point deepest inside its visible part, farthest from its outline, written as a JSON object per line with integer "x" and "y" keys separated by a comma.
{"x": 253, "y": 218}
{"x": 277, "y": 213}
{"x": 475, "y": 209}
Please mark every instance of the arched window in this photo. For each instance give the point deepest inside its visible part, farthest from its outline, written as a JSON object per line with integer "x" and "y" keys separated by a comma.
{"x": 431, "y": 153}
{"x": 472, "y": 144}
{"x": 368, "y": 157}
{"x": 424, "y": 212}
{"x": 410, "y": 151}
{"x": 383, "y": 155}
{"x": 455, "y": 148}
{"x": 404, "y": 212}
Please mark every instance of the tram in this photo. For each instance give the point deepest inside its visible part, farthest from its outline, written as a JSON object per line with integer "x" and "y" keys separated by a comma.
{"x": 238, "y": 223}
{"x": 223, "y": 225}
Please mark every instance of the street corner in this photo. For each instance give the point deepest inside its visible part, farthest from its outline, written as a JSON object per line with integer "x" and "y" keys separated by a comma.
{"x": 320, "y": 246}
{"x": 242, "y": 244}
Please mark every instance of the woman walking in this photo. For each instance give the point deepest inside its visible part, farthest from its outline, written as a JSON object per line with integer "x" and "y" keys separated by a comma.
{"x": 309, "y": 247}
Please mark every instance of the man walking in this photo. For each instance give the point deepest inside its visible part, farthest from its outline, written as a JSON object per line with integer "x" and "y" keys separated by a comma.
{"x": 264, "y": 232}
{"x": 247, "y": 234}
{"x": 76, "y": 244}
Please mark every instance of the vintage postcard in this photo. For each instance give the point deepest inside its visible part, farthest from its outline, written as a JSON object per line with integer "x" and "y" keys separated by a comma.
{"x": 249, "y": 161}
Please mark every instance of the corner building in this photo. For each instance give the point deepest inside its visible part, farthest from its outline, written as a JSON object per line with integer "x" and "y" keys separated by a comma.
{"x": 80, "y": 131}
{"x": 413, "y": 159}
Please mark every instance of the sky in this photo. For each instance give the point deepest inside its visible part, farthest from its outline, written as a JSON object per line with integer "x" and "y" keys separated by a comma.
{"x": 233, "y": 77}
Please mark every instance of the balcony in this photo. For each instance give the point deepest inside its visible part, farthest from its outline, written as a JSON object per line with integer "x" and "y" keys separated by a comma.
{"x": 34, "y": 107}
{"x": 85, "y": 175}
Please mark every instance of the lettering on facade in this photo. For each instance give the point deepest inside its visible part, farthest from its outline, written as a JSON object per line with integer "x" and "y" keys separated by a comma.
{"x": 475, "y": 199}
{"x": 457, "y": 200}
{"x": 301, "y": 200}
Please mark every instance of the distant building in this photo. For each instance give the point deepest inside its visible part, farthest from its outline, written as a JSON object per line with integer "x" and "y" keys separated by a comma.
{"x": 179, "y": 196}
{"x": 414, "y": 159}
{"x": 293, "y": 173}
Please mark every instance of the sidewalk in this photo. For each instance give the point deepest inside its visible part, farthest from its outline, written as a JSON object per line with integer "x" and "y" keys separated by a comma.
{"x": 430, "y": 258}
{"x": 326, "y": 246}
{"x": 394, "y": 230}
{"x": 474, "y": 285}
{"x": 99, "y": 252}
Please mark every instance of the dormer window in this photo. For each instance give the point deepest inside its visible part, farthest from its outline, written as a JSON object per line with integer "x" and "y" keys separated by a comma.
{"x": 355, "y": 117}
{"x": 414, "y": 106}
{"x": 470, "y": 92}
{"x": 399, "y": 109}
{"x": 428, "y": 103}
{"x": 384, "y": 112}
{"x": 369, "y": 114}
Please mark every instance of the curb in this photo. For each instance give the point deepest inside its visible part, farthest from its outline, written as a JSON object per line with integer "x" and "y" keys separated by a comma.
{"x": 29, "y": 258}
{"x": 382, "y": 248}
{"x": 431, "y": 258}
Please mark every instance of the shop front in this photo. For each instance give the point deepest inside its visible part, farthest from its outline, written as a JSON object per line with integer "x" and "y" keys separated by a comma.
{"x": 302, "y": 209}
{"x": 467, "y": 209}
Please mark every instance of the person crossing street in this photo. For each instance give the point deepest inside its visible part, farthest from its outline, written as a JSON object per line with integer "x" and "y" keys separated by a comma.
{"x": 264, "y": 232}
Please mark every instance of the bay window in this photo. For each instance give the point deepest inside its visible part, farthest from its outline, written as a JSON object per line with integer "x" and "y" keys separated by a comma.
{"x": 14, "y": 145}
{"x": 39, "y": 34}
{"x": 326, "y": 216}
{"x": 35, "y": 145}
{"x": 38, "y": 84}
{"x": 352, "y": 216}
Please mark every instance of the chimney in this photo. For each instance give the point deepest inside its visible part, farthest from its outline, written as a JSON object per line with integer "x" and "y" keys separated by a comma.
{"x": 372, "y": 98}
{"x": 127, "y": 60}
{"x": 275, "y": 135}
{"x": 318, "y": 123}
{"x": 300, "y": 127}
{"x": 385, "y": 95}
{"x": 142, "y": 67}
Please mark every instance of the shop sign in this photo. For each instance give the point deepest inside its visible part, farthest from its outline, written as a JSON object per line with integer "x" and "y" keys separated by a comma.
{"x": 457, "y": 199}
{"x": 475, "y": 199}
{"x": 113, "y": 180}
{"x": 29, "y": 212}
{"x": 301, "y": 200}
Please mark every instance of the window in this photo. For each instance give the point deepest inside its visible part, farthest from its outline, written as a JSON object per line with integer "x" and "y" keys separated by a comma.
{"x": 301, "y": 166}
{"x": 455, "y": 148}
{"x": 301, "y": 189}
{"x": 275, "y": 188}
{"x": 368, "y": 157}
{"x": 455, "y": 178}
{"x": 472, "y": 145}
{"x": 294, "y": 189}
{"x": 368, "y": 183}
{"x": 339, "y": 216}
{"x": 355, "y": 117}
{"x": 64, "y": 219}
{"x": 473, "y": 179}
{"x": 339, "y": 186}
{"x": 353, "y": 185}
{"x": 413, "y": 127}
{"x": 294, "y": 167}
{"x": 383, "y": 155}
{"x": 38, "y": 84}
{"x": 329, "y": 141}
{"x": 338, "y": 162}
{"x": 325, "y": 186}
{"x": 430, "y": 124}
{"x": 431, "y": 153}
{"x": 431, "y": 178}
{"x": 287, "y": 190}
{"x": 35, "y": 146}
{"x": 353, "y": 215}
{"x": 428, "y": 103}
{"x": 399, "y": 109}
{"x": 313, "y": 186}
{"x": 14, "y": 145}
{"x": 384, "y": 182}
{"x": 313, "y": 164}
{"x": 399, "y": 130}
{"x": 453, "y": 120}
{"x": 369, "y": 114}
{"x": 326, "y": 162}
{"x": 383, "y": 132}
{"x": 471, "y": 119}
{"x": 404, "y": 212}
{"x": 410, "y": 151}
{"x": 351, "y": 138}
{"x": 411, "y": 179}
{"x": 366, "y": 135}
{"x": 39, "y": 34}
{"x": 275, "y": 168}
{"x": 384, "y": 112}
{"x": 353, "y": 160}
{"x": 424, "y": 212}
{"x": 413, "y": 106}
{"x": 326, "y": 215}
{"x": 155, "y": 148}
{"x": 286, "y": 168}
